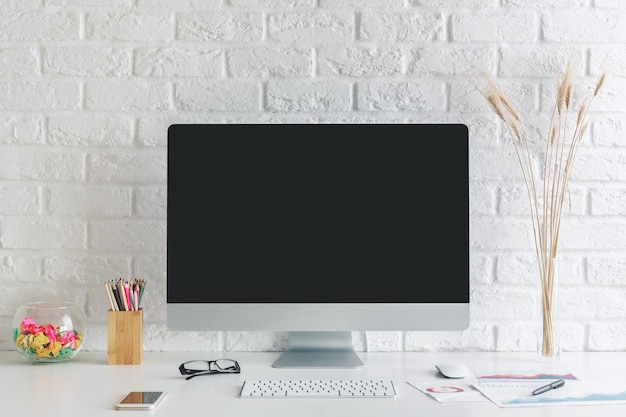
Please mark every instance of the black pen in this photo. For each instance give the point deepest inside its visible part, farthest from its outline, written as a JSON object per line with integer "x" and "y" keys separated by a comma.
{"x": 553, "y": 385}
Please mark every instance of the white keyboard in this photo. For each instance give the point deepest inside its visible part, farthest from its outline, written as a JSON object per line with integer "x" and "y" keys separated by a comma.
{"x": 319, "y": 388}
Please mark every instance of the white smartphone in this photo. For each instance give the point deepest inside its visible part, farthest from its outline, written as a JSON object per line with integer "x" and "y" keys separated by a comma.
{"x": 140, "y": 400}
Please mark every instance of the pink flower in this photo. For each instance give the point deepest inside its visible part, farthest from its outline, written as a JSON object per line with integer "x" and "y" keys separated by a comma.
{"x": 68, "y": 339}
{"x": 51, "y": 332}
{"x": 28, "y": 325}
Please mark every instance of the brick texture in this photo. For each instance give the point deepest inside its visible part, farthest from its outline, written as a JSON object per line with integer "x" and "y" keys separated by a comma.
{"x": 89, "y": 87}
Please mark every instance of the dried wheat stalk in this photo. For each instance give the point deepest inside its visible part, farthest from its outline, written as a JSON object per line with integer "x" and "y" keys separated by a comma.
{"x": 546, "y": 198}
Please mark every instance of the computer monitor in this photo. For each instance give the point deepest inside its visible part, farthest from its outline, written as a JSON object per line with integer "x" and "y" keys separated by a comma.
{"x": 317, "y": 230}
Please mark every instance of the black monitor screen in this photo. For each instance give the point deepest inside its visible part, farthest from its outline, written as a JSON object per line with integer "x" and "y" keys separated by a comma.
{"x": 298, "y": 213}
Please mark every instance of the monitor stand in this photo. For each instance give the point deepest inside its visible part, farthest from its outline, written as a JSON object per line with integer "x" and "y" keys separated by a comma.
{"x": 319, "y": 350}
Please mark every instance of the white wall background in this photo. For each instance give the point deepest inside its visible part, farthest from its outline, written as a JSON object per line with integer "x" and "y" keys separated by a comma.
{"x": 88, "y": 88}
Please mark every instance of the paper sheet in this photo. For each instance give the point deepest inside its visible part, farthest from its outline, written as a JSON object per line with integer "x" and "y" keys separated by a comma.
{"x": 447, "y": 391}
{"x": 575, "y": 392}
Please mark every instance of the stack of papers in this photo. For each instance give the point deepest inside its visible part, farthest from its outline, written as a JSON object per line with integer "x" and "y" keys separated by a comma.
{"x": 514, "y": 389}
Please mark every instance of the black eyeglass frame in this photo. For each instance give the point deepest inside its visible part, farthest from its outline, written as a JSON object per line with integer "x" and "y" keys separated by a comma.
{"x": 234, "y": 369}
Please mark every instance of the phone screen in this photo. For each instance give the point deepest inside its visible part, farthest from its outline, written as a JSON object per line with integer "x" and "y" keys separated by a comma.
{"x": 141, "y": 399}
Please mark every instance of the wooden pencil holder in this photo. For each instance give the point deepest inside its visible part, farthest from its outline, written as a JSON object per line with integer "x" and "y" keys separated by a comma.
{"x": 125, "y": 337}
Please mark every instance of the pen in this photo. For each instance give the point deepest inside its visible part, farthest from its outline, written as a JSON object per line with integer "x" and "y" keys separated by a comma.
{"x": 553, "y": 385}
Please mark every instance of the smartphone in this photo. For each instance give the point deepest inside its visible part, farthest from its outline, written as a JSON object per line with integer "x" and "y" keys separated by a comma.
{"x": 140, "y": 400}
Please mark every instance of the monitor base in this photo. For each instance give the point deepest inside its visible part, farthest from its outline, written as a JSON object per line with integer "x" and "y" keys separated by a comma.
{"x": 319, "y": 350}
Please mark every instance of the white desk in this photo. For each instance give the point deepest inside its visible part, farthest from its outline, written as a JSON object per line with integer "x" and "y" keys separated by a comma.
{"x": 87, "y": 386}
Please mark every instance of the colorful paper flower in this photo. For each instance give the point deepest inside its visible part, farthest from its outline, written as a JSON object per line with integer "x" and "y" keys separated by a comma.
{"x": 45, "y": 341}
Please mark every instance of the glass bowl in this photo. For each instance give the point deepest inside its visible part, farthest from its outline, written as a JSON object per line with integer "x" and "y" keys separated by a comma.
{"x": 48, "y": 331}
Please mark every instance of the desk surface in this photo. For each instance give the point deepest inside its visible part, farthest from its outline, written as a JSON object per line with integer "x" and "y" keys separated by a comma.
{"x": 87, "y": 386}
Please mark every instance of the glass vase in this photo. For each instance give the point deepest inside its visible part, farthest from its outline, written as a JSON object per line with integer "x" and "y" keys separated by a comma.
{"x": 48, "y": 331}
{"x": 548, "y": 343}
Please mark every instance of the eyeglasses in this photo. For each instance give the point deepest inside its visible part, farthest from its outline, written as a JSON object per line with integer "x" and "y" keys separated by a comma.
{"x": 219, "y": 366}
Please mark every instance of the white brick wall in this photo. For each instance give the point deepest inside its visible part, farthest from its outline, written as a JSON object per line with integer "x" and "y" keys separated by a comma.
{"x": 89, "y": 87}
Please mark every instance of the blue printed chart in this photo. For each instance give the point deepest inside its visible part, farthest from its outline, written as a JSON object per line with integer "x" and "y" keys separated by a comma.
{"x": 509, "y": 390}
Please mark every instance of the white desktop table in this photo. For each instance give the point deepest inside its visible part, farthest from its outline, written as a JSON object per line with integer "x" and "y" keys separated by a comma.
{"x": 87, "y": 386}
